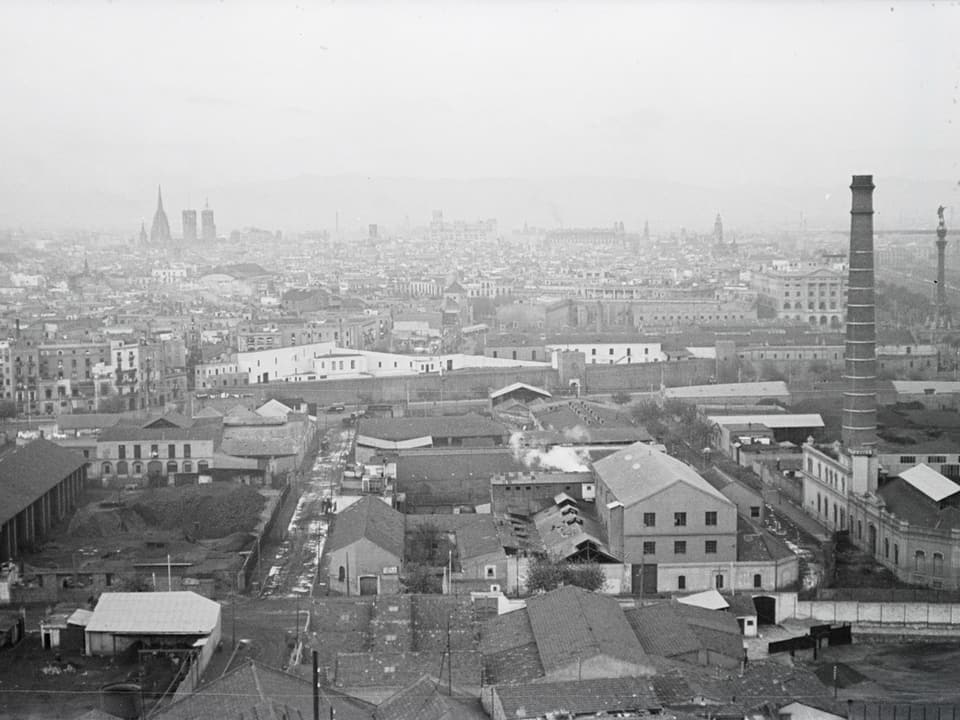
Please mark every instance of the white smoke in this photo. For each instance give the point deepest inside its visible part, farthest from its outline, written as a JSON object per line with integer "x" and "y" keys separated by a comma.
{"x": 577, "y": 433}
{"x": 559, "y": 457}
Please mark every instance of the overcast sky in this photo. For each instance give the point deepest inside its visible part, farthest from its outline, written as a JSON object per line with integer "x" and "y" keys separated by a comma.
{"x": 121, "y": 95}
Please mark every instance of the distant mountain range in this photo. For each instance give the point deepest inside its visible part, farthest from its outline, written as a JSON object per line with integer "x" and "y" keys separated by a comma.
{"x": 315, "y": 202}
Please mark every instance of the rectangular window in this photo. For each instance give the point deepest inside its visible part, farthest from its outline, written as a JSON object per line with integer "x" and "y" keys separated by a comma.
{"x": 186, "y": 450}
{"x": 171, "y": 450}
{"x": 154, "y": 451}
{"x": 681, "y": 582}
{"x": 908, "y": 460}
{"x": 719, "y": 582}
{"x": 754, "y": 511}
{"x": 710, "y": 517}
{"x": 122, "y": 452}
{"x": 679, "y": 547}
{"x": 757, "y": 580}
{"x": 136, "y": 452}
{"x": 649, "y": 519}
{"x": 710, "y": 547}
{"x": 936, "y": 459}
{"x": 649, "y": 548}
{"x": 679, "y": 519}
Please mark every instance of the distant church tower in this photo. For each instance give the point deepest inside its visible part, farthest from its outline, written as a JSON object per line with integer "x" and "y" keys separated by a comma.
{"x": 189, "y": 227}
{"x": 160, "y": 230}
{"x": 208, "y": 228}
{"x": 143, "y": 234}
{"x": 718, "y": 230}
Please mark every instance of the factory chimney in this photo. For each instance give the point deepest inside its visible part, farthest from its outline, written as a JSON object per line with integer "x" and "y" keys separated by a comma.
{"x": 859, "y": 424}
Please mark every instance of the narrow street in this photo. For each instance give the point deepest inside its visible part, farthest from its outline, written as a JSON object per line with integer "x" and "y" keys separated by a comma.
{"x": 293, "y": 567}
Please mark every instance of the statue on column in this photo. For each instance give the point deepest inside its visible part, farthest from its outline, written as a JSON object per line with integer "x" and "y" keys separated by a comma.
{"x": 940, "y": 215}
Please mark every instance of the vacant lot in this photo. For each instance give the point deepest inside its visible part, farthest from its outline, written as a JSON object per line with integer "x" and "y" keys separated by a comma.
{"x": 902, "y": 672}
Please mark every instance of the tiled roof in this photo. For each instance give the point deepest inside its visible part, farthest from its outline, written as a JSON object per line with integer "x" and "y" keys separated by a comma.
{"x": 640, "y": 471}
{"x": 28, "y": 472}
{"x": 671, "y": 629}
{"x": 253, "y": 685}
{"x": 369, "y": 518}
{"x": 420, "y": 701}
{"x": 570, "y": 623}
{"x": 132, "y": 433}
{"x": 395, "y": 429}
{"x": 509, "y": 649}
{"x": 660, "y": 631}
{"x": 578, "y": 698}
{"x": 176, "y": 613}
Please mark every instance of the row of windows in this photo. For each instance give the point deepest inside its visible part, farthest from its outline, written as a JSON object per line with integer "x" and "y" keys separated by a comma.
{"x": 919, "y": 557}
{"x": 931, "y": 459}
{"x": 154, "y": 451}
{"x": 679, "y": 519}
{"x": 125, "y": 468}
{"x": 680, "y": 547}
{"x": 718, "y": 581}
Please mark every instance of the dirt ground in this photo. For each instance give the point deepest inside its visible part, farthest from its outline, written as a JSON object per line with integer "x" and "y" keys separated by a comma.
{"x": 902, "y": 672}
{"x": 34, "y": 686}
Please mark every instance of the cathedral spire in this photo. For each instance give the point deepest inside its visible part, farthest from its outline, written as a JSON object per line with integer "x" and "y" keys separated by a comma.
{"x": 160, "y": 230}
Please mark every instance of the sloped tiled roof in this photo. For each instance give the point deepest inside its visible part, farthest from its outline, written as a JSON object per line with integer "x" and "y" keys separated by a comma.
{"x": 570, "y": 623}
{"x": 578, "y": 698}
{"x": 640, "y": 471}
{"x": 30, "y": 471}
{"x": 254, "y": 685}
{"x": 369, "y": 518}
{"x": 671, "y": 629}
{"x": 420, "y": 701}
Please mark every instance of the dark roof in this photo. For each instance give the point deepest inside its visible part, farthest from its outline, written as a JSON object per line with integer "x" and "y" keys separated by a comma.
{"x": 446, "y": 463}
{"x": 509, "y": 650}
{"x": 671, "y": 629}
{"x": 420, "y": 701}
{"x": 407, "y": 428}
{"x": 579, "y": 698}
{"x": 476, "y": 534}
{"x": 755, "y": 544}
{"x": 907, "y": 503}
{"x": 234, "y": 695}
{"x": 168, "y": 420}
{"x": 369, "y": 518}
{"x": 570, "y": 623}
{"x": 200, "y": 431}
{"x": 30, "y": 471}
{"x": 88, "y": 421}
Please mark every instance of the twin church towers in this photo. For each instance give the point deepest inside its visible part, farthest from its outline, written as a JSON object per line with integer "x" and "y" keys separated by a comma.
{"x": 160, "y": 229}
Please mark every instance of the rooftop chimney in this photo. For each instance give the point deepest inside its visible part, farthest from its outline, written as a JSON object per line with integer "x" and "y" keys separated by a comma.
{"x": 859, "y": 424}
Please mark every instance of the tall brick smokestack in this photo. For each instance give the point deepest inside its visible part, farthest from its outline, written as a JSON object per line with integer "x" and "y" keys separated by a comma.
{"x": 859, "y": 424}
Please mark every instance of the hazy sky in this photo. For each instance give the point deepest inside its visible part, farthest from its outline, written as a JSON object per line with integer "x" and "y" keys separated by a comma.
{"x": 111, "y": 97}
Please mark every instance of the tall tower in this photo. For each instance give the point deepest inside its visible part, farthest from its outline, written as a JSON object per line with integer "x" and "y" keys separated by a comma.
{"x": 718, "y": 230}
{"x": 646, "y": 232}
{"x": 160, "y": 230}
{"x": 943, "y": 309}
{"x": 143, "y": 234}
{"x": 208, "y": 228}
{"x": 859, "y": 423}
{"x": 189, "y": 226}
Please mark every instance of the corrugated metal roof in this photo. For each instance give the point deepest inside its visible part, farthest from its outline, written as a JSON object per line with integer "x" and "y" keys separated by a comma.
{"x": 154, "y": 613}
{"x": 772, "y": 421}
{"x": 931, "y": 483}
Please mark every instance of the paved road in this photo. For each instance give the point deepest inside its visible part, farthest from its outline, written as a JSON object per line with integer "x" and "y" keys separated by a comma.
{"x": 293, "y": 568}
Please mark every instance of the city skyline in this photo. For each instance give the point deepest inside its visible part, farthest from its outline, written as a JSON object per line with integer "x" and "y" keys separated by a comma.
{"x": 732, "y": 97}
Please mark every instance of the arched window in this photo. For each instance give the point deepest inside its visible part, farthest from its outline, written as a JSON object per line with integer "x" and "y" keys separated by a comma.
{"x": 758, "y": 580}
{"x": 122, "y": 468}
{"x": 920, "y": 561}
{"x": 106, "y": 468}
{"x": 203, "y": 466}
{"x": 938, "y": 564}
{"x": 137, "y": 469}
{"x": 342, "y": 575}
{"x": 187, "y": 466}
{"x": 171, "y": 467}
